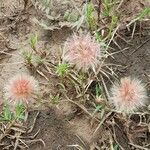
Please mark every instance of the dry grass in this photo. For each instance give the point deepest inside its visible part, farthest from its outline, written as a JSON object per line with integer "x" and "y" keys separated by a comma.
{"x": 102, "y": 20}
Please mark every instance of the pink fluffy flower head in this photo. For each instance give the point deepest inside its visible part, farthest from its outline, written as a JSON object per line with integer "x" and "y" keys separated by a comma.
{"x": 20, "y": 88}
{"x": 82, "y": 51}
{"x": 128, "y": 95}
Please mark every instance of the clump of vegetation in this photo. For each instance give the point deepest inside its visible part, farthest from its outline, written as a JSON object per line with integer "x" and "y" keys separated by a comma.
{"x": 19, "y": 93}
{"x": 18, "y": 114}
{"x": 81, "y": 73}
{"x": 62, "y": 69}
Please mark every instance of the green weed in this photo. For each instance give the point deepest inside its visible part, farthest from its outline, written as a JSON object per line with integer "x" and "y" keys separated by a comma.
{"x": 27, "y": 55}
{"x": 115, "y": 147}
{"x": 108, "y": 6}
{"x": 112, "y": 26}
{"x": 6, "y": 114}
{"x": 110, "y": 17}
{"x": 89, "y": 16}
{"x": 54, "y": 99}
{"x": 37, "y": 60}
{"x": 33, "y": 41}
{"x": 98, "y": 108}
{"x": 98, "y": 90}
{"x": 144, "y": 13}
{"x": 19, "y": 112}
{"x": 62, "y": 69}
{"x": 98, "y": 37}
{"x": 33, "y": 58}
{"x": 46, "y": 3}
{"x": 71, "y": 16}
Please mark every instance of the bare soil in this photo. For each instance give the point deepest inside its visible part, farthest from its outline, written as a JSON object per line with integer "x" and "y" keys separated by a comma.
{"x": 55, "y": 131}
{"x": 63, "y": 126}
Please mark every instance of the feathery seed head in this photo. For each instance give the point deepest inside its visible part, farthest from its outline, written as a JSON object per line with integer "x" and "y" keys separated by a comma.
{"x": 128, "y": 95}
{"x": 82, "y": 51}
{"x": 20, "y": 88}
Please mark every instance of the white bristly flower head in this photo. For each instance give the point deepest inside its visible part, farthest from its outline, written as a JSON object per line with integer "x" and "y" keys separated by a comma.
{"x": 82, "y": 51}
{"x": 129, "y": 95}
{"x": 20, "y": 88}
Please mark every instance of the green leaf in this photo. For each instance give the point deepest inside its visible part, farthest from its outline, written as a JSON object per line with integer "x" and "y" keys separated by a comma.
{"x": 143, "y": 13}
{"x": 33, "y": 41}
{"x": 98, "y": 37}
{"x": 54, "y": 99}
{"x": 89, "y": 14}
{"x": 37, "y": 60}
{"x": 27, "y": 56}
{"x": 19, "y": 111}
{"x": 62, "y": 69}
{"x": 66, "y": 15}
{"x": 116, "y": 147}
{"x": 98, "y": 108}
{"x": 71, "y": 16}
{"x": 6, "y": 114}
{"x": 98, "y": 90}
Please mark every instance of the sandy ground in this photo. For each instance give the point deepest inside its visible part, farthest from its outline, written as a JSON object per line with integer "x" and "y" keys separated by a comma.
{"x": 57, "y": 129}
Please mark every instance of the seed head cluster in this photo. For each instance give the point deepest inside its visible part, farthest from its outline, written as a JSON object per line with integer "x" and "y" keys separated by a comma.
{"x": 84, "y": 53}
